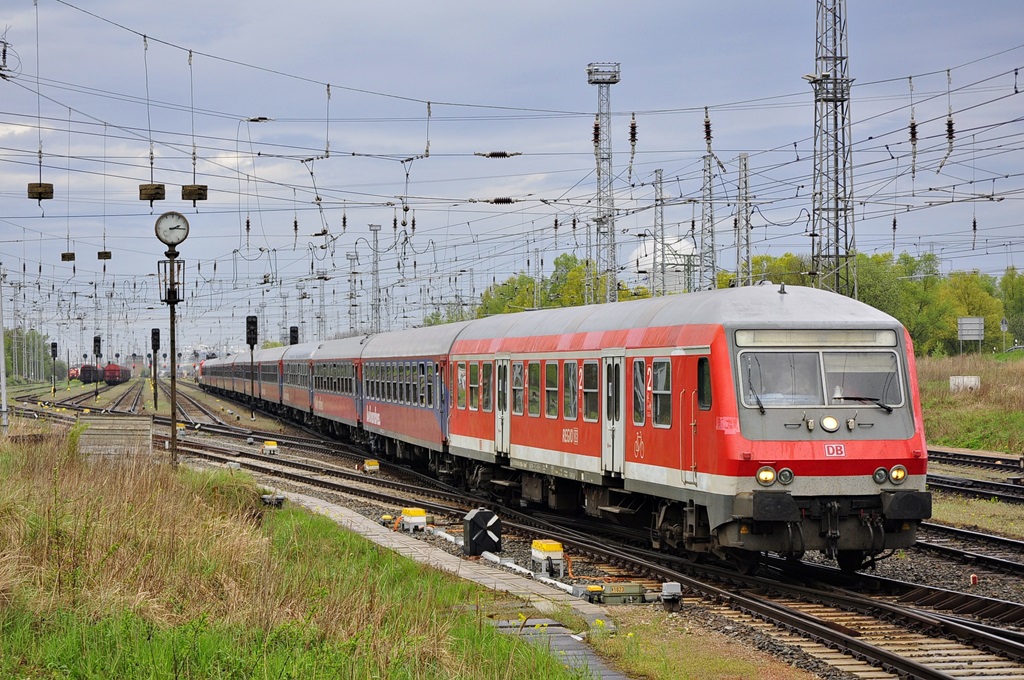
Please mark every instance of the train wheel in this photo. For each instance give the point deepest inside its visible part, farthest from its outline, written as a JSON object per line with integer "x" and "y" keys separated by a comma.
{"x": 850, "y": 560}
{"x": 745, "y": 562}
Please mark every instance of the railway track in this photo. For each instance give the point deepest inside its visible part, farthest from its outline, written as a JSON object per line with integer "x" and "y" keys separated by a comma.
{"x": 1000, "y": 554}
{"x": 989, "y": 461}
{"x": 892, "y": 632}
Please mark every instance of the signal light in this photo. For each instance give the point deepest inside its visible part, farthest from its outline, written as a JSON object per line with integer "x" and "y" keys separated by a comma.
{"x": 155, "y": 339}
{"x": 251, "y": 334}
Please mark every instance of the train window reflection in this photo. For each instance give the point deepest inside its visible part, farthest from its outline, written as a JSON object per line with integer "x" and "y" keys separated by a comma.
{"x": 591, "y": 395}
{"x": 662, "y": 393}
{"x": 781, "y": 379}
{"x": 517, "y": 388}
{"x": 569, "y": 393}
{"x": 853, "y": 376}
{"x": 486, "y": 386}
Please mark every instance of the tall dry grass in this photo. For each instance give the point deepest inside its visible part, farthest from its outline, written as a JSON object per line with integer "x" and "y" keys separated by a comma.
{"x": 174, "y": 568}
{"x": 128, "y": 533}
{"x": 990, "y": 418}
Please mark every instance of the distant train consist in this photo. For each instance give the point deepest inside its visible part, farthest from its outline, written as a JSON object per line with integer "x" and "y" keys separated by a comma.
{"x": 114, "y": 374}
{"x": 733, "y": 422}
{"x": 88, "y": 373}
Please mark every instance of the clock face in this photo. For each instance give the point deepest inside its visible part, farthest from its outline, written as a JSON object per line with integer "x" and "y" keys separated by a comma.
{"x": 171, "y": 228}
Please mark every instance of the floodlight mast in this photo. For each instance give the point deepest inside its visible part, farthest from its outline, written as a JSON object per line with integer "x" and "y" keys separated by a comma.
{"x": 604, "y": 75}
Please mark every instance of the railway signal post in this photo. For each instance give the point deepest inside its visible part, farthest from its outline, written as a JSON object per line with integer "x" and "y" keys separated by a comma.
{"x": 251, "y": 338}
{"x": 172, "y": 229}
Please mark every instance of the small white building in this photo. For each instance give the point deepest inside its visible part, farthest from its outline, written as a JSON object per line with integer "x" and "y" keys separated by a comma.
{"x": 677, "y": 259}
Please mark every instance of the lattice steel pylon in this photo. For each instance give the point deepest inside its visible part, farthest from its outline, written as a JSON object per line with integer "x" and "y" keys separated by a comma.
{"x": 832, "y": 234}
{"x": 744, "y": 275}
{"x": 604, "y": 75}
{"x": 707, "y": 267}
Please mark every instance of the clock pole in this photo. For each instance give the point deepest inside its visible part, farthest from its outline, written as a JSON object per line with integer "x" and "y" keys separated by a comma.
{"x": 172, "y": 229}
{"x": 172, "y": 299}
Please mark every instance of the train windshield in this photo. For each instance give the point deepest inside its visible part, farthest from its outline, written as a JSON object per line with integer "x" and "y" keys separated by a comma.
{"x": 817, "y": 378}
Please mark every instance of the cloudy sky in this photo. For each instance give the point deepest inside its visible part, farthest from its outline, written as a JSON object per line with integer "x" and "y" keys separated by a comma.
{"x": 311, "y": 120}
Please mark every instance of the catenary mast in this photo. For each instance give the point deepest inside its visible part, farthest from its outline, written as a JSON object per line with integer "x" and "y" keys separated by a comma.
{"x": 832, "y": 234}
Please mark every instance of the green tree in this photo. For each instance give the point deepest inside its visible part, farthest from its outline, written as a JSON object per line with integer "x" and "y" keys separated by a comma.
{"x": 1011, "y": 285}
{"x": 958, "y": 295}
{"x": 879, "y": 285}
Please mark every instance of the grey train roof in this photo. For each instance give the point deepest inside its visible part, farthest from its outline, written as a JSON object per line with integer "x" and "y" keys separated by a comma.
{"x": 750, "y": 306}
{"x": 762, "y": 306}
{"x": 416, "y": 342}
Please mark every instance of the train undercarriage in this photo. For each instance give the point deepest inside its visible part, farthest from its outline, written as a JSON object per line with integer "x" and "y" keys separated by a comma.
{"x": 854, "y": 531}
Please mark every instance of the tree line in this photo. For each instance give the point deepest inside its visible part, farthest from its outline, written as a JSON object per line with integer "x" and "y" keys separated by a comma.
{"x": 911, "y": 289}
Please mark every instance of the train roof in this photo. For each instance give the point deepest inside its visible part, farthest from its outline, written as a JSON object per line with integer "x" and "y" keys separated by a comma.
{"x": 340, "y": 348}
{"x": 762, "y": 306}
{"x": 424, "y": 342}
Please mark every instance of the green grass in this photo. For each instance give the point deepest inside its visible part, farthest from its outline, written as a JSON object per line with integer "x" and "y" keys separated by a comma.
{"x": 141, "y": 570}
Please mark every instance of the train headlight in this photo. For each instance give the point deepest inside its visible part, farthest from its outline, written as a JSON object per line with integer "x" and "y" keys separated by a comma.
{"x": 786, "y": 476}
{"x": 829, "y": 424}
{"x": 766, "y": 476}
{"x": 881, "y": 476}
{"x": 898, "y": 474}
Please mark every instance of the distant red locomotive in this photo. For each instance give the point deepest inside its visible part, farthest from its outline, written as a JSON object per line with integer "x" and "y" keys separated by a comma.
{"x": 114, "y": 374}
{"x": 734, "y": 422}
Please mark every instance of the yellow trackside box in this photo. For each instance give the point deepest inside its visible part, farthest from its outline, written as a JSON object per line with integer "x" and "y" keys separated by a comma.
{"x": 414, "y": 519}
{"x": 370, "y": 465}
{"x": 269, "y": 448}
{"x": 543, "y": 549}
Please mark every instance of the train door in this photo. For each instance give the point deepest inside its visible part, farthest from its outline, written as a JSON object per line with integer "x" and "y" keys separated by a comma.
{"x": 309, "y": 384}
{"x": 501, "y": 415}
{"x": 696, "y": 421}
{"x": 613, "y": 435}
{"x": 280, "y": 381}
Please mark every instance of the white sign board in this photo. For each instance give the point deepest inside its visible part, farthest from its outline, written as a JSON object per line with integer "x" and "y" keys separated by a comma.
{"x": 970, "y": 328}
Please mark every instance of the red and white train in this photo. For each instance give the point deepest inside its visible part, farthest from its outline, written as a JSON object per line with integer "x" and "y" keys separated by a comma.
{"x": 735, "y": 422}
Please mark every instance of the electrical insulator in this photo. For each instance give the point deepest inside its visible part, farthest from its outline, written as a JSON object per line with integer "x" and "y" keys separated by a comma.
{"x": 574, "y": 223}
{"x": 295, "y": 225}
{"x": 394, "y": 222}
{"x": 913, "y": 132}
{"x": 502, "y": 200}
{"x": 707, "y": 126}
{"x": 949, "y": 129}
{"x": 344, "y": 221}
{"x": 247, "y": 225}
{"x": 413, "y": 225}
{"x": 632, "y": 131}
{"x": 597, "y": 133}
{"x": 556, "y": 224}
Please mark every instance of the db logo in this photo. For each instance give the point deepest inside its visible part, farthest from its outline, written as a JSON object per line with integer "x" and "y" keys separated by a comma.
{"x": 835, "y": 450}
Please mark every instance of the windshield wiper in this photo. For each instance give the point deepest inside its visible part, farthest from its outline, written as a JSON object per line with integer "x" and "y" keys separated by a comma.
{"x": 750, "y": 383}
{"x": 874, "y": 400}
